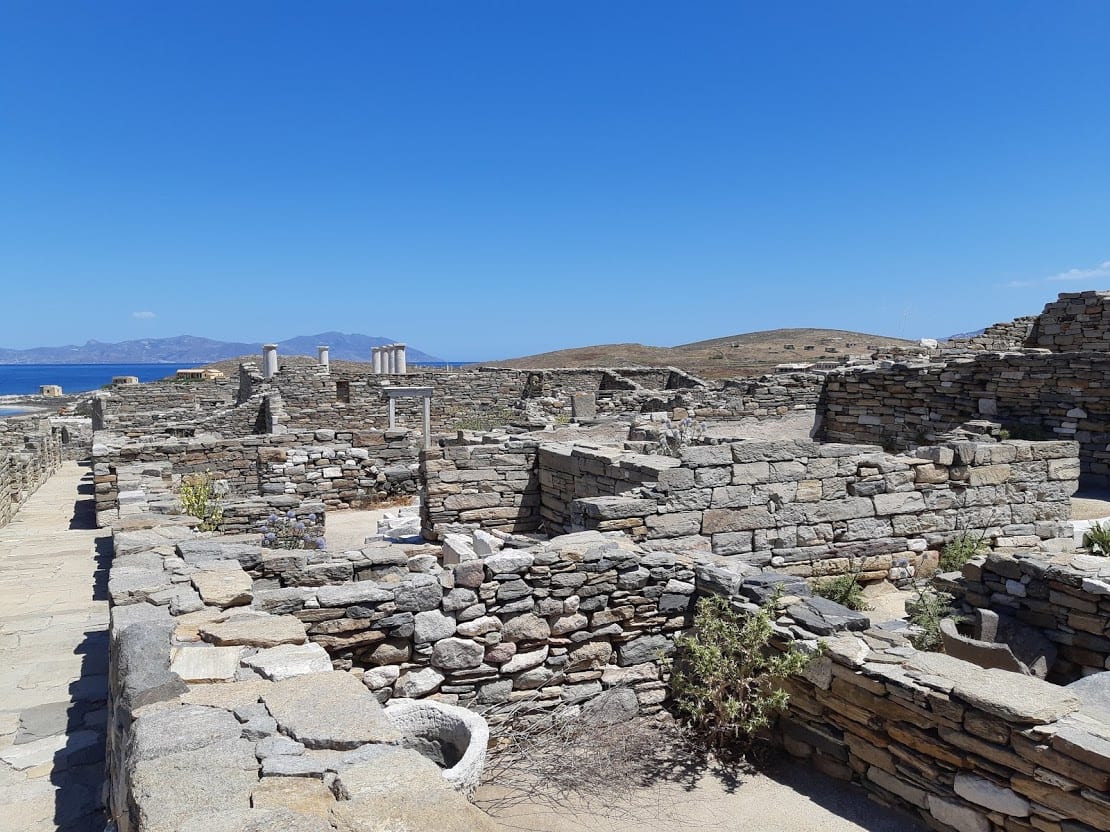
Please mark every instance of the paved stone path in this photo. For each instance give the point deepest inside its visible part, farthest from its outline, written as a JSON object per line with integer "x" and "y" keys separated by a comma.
{"x": 53, "y": 659}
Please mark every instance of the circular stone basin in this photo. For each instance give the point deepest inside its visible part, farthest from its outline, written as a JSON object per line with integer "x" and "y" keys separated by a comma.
{"x": 454, "y": 738}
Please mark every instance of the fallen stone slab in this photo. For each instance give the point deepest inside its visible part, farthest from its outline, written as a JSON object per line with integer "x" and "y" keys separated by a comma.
{"x": 329, "y": 710}
{"x": 223, "y": 587}
{"x": 288, "y": 660}
{"x": 254, "y": 631}
{"x": 183, "y": 728}
{"x": 824, "y": 617}
{"x": 169, "y": 791}
{"x": 1012, "y": 696}
{"x": 205, "y": 663}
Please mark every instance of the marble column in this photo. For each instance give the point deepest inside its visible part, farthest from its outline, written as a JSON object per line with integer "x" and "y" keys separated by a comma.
{"x": 322, "y": 354}
{"x": 390, "y": 359}
{"x": 376, "y": 353}
{"x": 402, "y": 359}
{"x": 269, "y": 360}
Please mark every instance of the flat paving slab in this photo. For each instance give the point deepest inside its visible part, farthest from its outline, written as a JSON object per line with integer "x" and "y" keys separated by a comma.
{"x": 53, "y": 659}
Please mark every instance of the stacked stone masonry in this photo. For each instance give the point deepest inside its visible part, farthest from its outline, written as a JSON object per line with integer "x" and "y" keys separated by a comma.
{"x": 1066, "y": 598}
{"x": 30, "y": 452}
{"x": 233, "y": 666}
{"x": 342, "y": 469}
{"x": 802, "y": 507}
{"x": 1056, "y": 395}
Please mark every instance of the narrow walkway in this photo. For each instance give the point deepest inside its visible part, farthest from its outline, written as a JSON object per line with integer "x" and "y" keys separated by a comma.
{"x": 53, "y": 659}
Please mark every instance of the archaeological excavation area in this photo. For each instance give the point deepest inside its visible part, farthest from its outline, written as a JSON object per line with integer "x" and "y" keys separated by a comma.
{"x": 389, "y": 574}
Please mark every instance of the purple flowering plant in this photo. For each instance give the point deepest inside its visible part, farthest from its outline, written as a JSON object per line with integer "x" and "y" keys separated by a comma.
{"x": 287, "y": 531}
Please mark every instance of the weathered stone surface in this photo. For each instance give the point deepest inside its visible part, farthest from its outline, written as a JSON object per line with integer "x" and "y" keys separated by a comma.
{"x": 170, "y": 789}
{"x": 422, "y": 592}
{"x": 417, "y": 683}
{"x": 349, "y": 595}
{"x": 525, "y": 627}
{"x": 259, "y": 819}
{"x": 644, "y": 649}
{"x": 329, "y": 710}
{"x": 959, "y": 817}
{"x": 983, "y": 792}
{"x": 432, "y": 625}
{"x": 181, "y": 728}
{"x": 223, "y": 587}
{"x": 1010, "y": 696}
{"x": 614, "y": 706}
{"x": 457, "y": 654}
{"x": 299, "y": 794}
{"x": 288, "y": 660}
{"x": 254, "y": 630}
{"x": 824, "y": 617}
{"x": 205, "y": 663}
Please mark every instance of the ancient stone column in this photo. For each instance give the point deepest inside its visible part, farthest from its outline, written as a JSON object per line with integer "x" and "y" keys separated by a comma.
{"x": 322, "y": 353}
{"x": 401, "y": 359}
{"x": 376, "y": 357}
{"x": 269, "y": 360}
{"x": 390, "y": 359}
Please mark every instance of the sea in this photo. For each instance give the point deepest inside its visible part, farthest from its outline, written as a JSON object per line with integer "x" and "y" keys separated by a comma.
{"x": 25, "y": 379}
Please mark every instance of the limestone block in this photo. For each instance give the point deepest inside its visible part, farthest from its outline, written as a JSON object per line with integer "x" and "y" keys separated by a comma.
{"x": 983, "y": 792}
{"x": 205, "y": 663}
{"x": 329, "y": 710}
{"x": 254, "y": 630}
{"x": 288, "y": 660}
{"x": 223, "y": 587}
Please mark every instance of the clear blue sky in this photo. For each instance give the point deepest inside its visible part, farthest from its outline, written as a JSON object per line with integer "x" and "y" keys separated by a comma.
{"x": 489, "y": 179}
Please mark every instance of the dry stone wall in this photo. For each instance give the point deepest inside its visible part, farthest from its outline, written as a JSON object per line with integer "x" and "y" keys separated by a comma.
{"x": 1075, "y": 322}
{"x": 802, "y": 507}
{"x": 228, "y": 661}
{"x": 1058, "y": 395}
{"x": 30, "y": 452}
{"x": 342, "y": 469}
{"x": 1067, "y": 599}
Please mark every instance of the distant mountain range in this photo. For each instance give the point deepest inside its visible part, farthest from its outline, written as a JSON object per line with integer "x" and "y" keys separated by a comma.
{"x": 188, "y": 349}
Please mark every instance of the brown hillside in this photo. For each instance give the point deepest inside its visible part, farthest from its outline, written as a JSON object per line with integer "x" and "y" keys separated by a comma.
{"x": 752, "y": 353}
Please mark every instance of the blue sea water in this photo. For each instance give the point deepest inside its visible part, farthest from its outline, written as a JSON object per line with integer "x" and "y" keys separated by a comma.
{"x": 23, "y": 379}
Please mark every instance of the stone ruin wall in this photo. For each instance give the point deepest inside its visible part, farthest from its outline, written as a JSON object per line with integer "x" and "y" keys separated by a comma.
{"x": 341, "y": 469}
{"x": 1062, "y": 395}
{"x": 30, "y": 452}
{"x": 1075, "y": 322}
{"x": 1067, "y": 599}
{"x": 801, "y": 507}
{"x": 556, "y": 624}
{"x": 310, "y": 397}
{"x": 1000, "y": 337}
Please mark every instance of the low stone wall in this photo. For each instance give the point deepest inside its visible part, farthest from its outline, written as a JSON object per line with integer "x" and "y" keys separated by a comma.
{"x": 1000, "y": 337}
{"x": 30, "y": 452}
{"x": 1067, "y": 599}
{"x": 962, "y": 747}
{"x": 805, "y": 508}
{"x": 343, "y": 469}
{"x": 228, "y": 661}
{"x": 493, "y": 485}
{"x": 139, "y": 407}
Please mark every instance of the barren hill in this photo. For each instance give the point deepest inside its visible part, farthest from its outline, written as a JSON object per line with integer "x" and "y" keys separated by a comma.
{"x": 752, "y": 353}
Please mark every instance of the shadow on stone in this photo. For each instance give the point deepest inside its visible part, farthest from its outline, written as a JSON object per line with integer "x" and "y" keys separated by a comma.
{"x": 84, "y": 508}
{"x": 79, "y": 765}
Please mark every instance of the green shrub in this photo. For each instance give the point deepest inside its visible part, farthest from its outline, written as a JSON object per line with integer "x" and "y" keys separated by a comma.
{"x": 926, "y": 611}
{"x": 844, "y": 589}
{"x": 959, "y": 550}
{"x": 725, "y": 676}
{"x": 199, "y": 499}
{"x": 1096, "y": 540}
